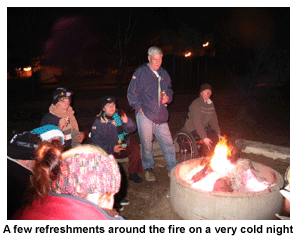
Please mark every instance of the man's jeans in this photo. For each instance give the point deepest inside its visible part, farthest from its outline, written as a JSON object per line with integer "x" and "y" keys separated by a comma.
{"x": 146, "y": 129}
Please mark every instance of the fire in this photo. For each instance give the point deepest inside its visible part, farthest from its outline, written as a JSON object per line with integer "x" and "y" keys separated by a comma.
{"x": 205, "y": 175}
{"x": 207, "y": 183}
{"x": 252, "y": 183}
{"x": 206, "y": 44}
{"x": 219, "y": 162}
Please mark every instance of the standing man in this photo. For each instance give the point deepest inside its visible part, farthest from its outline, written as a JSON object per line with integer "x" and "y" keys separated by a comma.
{"x": 148, "y": 93}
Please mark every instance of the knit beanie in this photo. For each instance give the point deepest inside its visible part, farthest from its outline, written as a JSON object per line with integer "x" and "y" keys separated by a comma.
{"x": 205, "y": 87}
{"x": 107, "y": 99}
{"x": 61, "y": 93}
{"x": 88, "y": 173}
{"x": 49, "y": 132}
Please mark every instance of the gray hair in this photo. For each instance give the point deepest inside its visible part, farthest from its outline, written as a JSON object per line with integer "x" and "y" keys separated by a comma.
{"x": 154, "y": 51}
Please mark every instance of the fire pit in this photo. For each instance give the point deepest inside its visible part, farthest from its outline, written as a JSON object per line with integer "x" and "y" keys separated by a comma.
{"x": 216, "y": 188}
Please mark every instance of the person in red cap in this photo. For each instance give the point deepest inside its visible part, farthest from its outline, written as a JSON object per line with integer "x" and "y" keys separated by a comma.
{"x": 202, "y": 121}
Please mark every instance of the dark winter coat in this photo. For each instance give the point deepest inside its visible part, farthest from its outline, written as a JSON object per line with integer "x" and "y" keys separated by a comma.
{"x": 104, "y": 134}
{"x": 200, "y": 116}
{"x": 143, "y": 93}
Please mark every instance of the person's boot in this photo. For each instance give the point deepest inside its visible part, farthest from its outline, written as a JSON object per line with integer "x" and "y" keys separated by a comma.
{"x": 135, "y": 177}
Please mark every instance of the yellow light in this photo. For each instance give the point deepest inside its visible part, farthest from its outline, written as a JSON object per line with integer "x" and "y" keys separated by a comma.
{"x": 219, "y": 162}
{"x": 187, "y": 54}
{"x": 206, "y": 44}
{"x": 27, "y": 69}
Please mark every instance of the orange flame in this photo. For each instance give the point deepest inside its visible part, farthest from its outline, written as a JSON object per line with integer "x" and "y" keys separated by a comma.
{"x": 221, "y": 166}
{"x": 219, "y": 161}
{"x": 187, "y": 54}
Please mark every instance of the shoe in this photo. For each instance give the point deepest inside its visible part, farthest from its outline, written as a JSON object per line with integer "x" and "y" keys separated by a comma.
{"x": 124, "y": 202}
{"x": 135, "y": 177}
{"x": 149, "y": 175}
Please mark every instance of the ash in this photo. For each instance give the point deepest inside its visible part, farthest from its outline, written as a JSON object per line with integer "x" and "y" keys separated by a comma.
{"x": 236, "y": 176}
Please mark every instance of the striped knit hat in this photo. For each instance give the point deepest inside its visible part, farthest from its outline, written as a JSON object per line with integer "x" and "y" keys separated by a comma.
{"x": 88, "y": 173}
{"x": 49, "y": 132}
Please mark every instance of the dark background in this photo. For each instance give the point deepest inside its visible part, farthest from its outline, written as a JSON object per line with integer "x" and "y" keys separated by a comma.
{"x": 94, "y": 51}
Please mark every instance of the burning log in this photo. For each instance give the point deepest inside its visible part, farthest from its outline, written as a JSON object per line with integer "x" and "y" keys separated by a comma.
{"x": 201, "y": 174}
{"x": 234, "y": 155}
{"x": 223, "y": 184}
{"x": 243, "y": 177}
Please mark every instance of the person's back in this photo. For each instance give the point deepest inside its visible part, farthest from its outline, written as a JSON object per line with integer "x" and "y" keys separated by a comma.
{"x": 79, "y": 184}
{"x": 18, "y": 179}
{"x": 20, "y": 162}
{"x": 65, "y": 207}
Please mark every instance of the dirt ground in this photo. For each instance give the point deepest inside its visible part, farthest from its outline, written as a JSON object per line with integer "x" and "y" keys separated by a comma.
{"x": 265, "y": 117}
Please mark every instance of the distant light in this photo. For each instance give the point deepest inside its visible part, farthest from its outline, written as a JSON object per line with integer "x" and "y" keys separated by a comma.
{"x": 206, "y": 44}
{"x": 27, "y": 68}
{"x": 187, "y": 54}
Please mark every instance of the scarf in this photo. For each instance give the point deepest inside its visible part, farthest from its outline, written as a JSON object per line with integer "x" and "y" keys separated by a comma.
{"x": 73, "y": 124}
{"x": 117, "y": 119}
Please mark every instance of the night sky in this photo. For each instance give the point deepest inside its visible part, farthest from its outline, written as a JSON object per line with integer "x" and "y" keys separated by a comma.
{"x": 35, "y": 31}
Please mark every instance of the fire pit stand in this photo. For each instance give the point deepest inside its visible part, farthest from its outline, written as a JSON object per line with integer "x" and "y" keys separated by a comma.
{"x": 190, "y": 203}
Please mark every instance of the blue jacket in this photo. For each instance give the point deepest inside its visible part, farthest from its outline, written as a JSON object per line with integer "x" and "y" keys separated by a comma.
{"x": 104, "y": 134}
{"x": 142, "y": 93}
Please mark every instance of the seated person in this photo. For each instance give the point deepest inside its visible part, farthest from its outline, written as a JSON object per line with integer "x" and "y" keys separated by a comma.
{"x": 202, "y": 120}
{"x": 61, "y": 114}
{"x": 110, "y": 132}
{"x": 79, "y": 184}
{"x": 20, "y": 162}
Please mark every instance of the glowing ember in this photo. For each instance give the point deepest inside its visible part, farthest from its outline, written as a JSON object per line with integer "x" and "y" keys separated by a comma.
{"x": 207, "y": 183}
{"x": 252, "y": 183}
